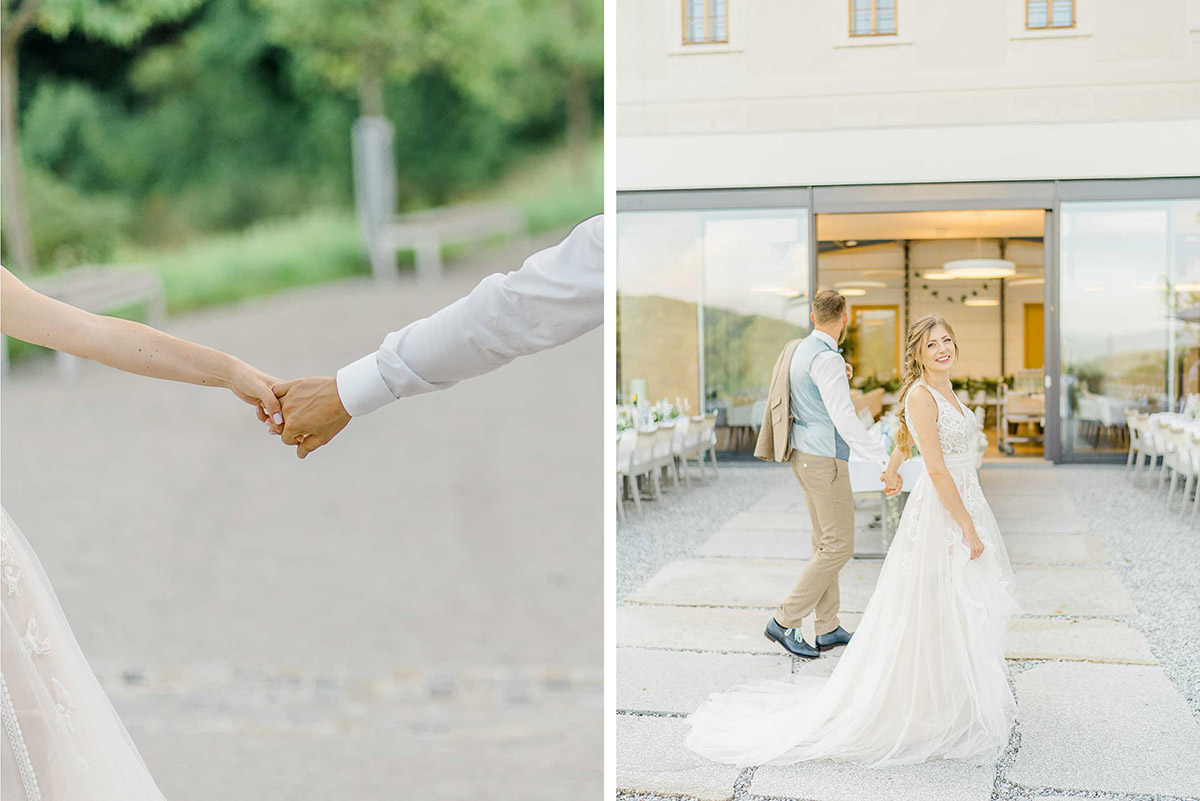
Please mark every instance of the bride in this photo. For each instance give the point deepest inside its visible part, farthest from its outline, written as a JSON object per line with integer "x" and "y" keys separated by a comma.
{"x": 924, "y": 675}
{"x": 62, "y": 738}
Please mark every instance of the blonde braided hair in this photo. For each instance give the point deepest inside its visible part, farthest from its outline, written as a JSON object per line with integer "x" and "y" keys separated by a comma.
{"x": 914, "y": 351}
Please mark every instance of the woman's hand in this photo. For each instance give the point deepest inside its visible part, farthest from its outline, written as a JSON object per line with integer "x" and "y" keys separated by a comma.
{"x": 971, "y": 538}
{"x": 892, "y": 483}
{"x": 254, "y": 387}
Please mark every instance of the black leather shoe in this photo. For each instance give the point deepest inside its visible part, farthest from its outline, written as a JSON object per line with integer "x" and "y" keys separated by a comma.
{"x": 833, "y": 639}
{"x": 791, "y": 640}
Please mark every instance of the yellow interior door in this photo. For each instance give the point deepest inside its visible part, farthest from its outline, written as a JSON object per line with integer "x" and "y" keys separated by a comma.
{"x": 1035, "y": 337}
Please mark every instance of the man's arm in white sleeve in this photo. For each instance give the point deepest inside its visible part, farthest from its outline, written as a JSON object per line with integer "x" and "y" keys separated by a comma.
{"x": 829, "y": 373}
{"x": 556, "y": 296}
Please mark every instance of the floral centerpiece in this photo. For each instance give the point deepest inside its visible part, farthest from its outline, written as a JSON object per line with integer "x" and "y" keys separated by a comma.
{"x": 1191, "y": 408}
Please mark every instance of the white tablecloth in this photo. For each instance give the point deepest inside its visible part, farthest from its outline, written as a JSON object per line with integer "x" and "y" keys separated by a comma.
{"x": 1191, "y": 426}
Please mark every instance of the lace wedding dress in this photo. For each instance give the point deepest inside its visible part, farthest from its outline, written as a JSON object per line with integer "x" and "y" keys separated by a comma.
{"x": 62, "y": 739}
{"x": 924, "y": 675}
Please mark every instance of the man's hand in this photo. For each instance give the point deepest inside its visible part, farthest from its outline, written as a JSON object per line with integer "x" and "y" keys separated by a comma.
{"x": 313, "y": 413}
{"x": 849, "y": 371}
{"x": 892, "y": 483}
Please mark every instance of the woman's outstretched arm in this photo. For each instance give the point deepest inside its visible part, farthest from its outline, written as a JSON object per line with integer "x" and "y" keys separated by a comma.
{"x": 132, "y": 347}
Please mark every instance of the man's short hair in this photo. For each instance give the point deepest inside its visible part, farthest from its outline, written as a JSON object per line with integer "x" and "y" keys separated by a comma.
{"x": 828, "y": 305}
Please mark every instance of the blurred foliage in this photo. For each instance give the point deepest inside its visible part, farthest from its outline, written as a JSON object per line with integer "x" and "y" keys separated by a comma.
{"x": 228, "y": 114}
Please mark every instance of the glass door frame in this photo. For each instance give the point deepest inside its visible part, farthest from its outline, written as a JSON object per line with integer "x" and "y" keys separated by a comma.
{"x": 1046, "y": 195}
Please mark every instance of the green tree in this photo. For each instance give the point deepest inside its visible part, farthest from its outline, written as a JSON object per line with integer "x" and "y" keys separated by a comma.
{"x": 118, "y": 22}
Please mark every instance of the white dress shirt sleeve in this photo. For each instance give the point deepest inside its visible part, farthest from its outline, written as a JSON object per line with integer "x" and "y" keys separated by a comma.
{"x": 828, "y": 371}
{"x": 556, "y": 296}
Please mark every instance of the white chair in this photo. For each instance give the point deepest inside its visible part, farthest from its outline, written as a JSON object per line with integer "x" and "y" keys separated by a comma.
{"x": 1194, "y": 447}
{"x": 661, "y": 457}
{"x": 1180, "y": 463}
{"x": 1164, "y": 443}
{"x": 701, "y": 439}
{"x": 641, "y": 461}
{"x": 678, "y": 446}
{"x": 708, "y": 439}
{"x": 1151, "y": 447}
{"x": 626, "y": 442}
{"x": 1137, "y": 424}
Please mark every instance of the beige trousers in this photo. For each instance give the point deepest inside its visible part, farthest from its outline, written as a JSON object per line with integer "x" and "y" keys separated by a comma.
{"x": 826, "y": 483}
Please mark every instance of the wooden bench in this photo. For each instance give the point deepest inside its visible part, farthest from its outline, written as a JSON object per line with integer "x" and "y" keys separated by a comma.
{"x": 427, "y": 232}
{"x": 101, "y": 290}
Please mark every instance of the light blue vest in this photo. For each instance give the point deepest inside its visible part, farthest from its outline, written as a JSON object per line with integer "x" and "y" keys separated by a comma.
{"x": 813, "y": 430}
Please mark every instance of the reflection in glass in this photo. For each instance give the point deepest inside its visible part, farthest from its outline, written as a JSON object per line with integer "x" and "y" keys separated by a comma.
{"x": 1128, "y": 270}
{"x": 705, "y": 302}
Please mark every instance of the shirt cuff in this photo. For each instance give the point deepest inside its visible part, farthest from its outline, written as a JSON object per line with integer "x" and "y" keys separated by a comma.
{"x": 361, "y": 387}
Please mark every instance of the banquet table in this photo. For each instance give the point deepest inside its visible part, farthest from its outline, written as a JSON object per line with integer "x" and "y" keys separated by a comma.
{"x": 1157, "y": 419}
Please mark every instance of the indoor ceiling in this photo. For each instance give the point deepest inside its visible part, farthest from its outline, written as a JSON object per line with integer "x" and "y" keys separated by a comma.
{"x": 931, "y": 225}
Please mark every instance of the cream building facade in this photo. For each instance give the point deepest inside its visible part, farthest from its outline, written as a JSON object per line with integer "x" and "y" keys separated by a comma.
{"x": 769, "y": 148}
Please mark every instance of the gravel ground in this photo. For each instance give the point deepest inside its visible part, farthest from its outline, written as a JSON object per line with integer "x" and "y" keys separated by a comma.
{"x": 1157, "y": 555}
{"x": 685, "y": 519}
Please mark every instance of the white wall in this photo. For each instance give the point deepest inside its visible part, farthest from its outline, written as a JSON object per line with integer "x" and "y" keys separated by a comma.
{"x": 956, "y": 96}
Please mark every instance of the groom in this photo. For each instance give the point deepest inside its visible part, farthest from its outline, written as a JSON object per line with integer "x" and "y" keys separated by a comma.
{"x": 811, "y": 423}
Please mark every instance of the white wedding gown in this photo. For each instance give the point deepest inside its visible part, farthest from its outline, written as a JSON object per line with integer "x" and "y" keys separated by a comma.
{"x": 62, "y": 739}
{"x": 924, "y": 674}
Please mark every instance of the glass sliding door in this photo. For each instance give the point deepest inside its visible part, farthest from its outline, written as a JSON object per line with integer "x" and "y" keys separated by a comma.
{"x": 706, "y": 299}
{"x": 1130, "y": 270}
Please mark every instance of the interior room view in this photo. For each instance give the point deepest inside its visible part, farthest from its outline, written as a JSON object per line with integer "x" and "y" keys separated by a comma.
{"x": 983, "y": 271}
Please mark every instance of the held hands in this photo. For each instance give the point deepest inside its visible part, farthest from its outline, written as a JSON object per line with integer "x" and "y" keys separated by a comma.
{"x": 892, "y": 482}
{"x": 313, "y": 413}
{"x": 255, "y": 387}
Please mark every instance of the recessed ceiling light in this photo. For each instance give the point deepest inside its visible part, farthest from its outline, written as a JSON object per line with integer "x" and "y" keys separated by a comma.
{"x": 861, "y": 284}
{"x": 1026, "y": 282}
{"x": 851, "y": 243}
{"x": 981, "y": 302}
{"x": 938, "y": 275}
{"x": 853, "y": 292}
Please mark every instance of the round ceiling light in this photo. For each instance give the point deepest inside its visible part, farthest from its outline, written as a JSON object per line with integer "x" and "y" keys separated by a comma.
{"x": 981, "y": 302}
{"x": 980, "y": 268}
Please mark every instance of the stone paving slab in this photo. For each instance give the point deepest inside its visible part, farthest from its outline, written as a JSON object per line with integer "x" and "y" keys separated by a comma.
{"x": 1078, "y": 639}
{"x": 769, "y": 543}
{"x": 651, "y": 758}
{"x": 1026, "y": 524}
{"x": 1041, "y": 548}
{"x": 1117, "y": 728}
{"x": 740, "y": 631}
{"x": 679, "y": 681}
{"x": 761, "y": 583}
{"x": 1017, "y": 482}
{"x": 936, "y": 780}
{"x": 1022, "y": 547}
{"x": 699, "y": 628}
{"x": 747, "y": 582}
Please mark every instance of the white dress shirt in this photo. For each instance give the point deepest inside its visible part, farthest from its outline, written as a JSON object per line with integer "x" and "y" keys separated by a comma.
{"x": 828, "y": 372}
{"x": 556, "y": 296}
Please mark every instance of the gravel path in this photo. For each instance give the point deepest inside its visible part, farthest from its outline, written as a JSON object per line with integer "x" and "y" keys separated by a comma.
{"x": 273, "y": 629}
{"x": 686, "y": 518}
{"x": 1157, "y": 555}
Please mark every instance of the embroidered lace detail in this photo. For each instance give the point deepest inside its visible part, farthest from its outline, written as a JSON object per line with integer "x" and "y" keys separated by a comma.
{"x": 16, "y": 741}
{"x": 63, "y": 704}
{"x": 33, "y": 641}
{"x": 10, "y": 571}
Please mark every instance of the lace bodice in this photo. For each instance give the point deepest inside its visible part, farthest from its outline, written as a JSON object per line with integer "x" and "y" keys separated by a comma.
{"x": 956, "y": 427}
